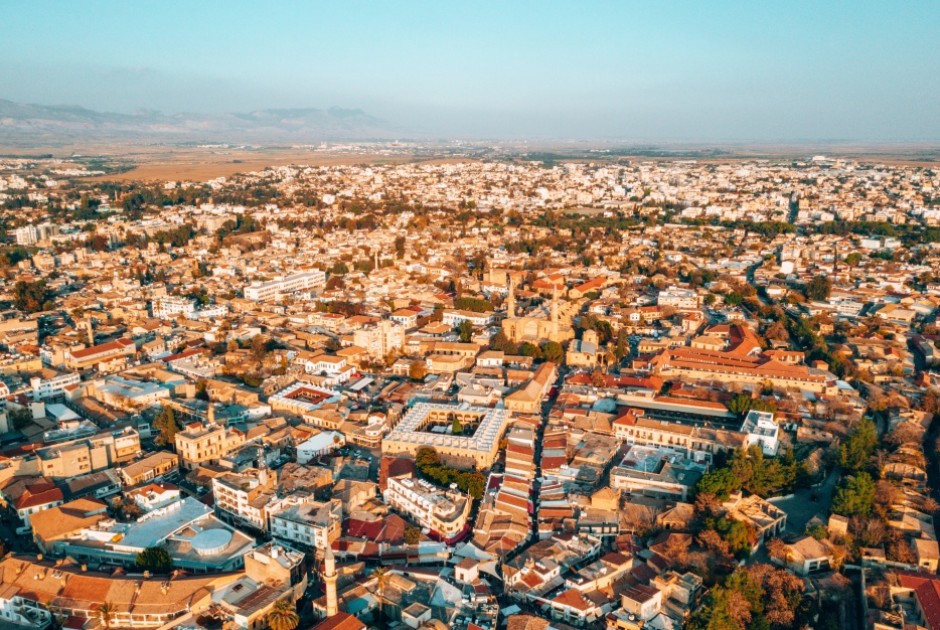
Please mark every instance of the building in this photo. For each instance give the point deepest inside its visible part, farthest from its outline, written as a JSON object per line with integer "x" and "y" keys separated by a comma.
{"x": 477, "y": 320}
{"x": 697, "y": 443}
{"x": 654, "y": 471}
{"x": 431, "y": 425}
{"x": 284, "y": 285}
{"x": 196, "y": 540}
{"x": 533, "y": 328}
{"x": 29, "y": 589}
{"x": 529, "y": 397}
{"x": 107, "y": 357}
{"x": 243, "y": 497}
{"x": 320, "y": 444}
{"x": 80, "y": 457}
{"x": 678, "y": 298}
{"x": 302, "y": 399}
{"x": 200, "y": 443}
{"x": 310, "y": 525}
{"x": 380, "y": 339}
{"x": 761, "y": 429}
{"x": 443, "y": 513}
{"x": 158, "y": 466}
{"x": 170, "y": 307}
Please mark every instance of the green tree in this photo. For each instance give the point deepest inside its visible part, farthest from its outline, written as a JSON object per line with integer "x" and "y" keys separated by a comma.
{"x": 166, "y": 425}
{"x": 155, "y": 560}
{"x": 456, "y": 428}
{"x": 855, "y": 496}
{"x": 283, "y": 616}
{"x": 858, "y": 448}
{"x": 552, "y": 351}
{"x": 818, "y": 288}
{"x": 720, "y": 482}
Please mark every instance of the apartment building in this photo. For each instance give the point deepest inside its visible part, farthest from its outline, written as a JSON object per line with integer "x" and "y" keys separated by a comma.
{"x": 381, "y": 338}
{"x": 87, "y": 455}
{"x": 309, "y": 525}
{"x": 284, "y": 285}
{"x": 243, "y": 497}
{"x": 443, "y": 513}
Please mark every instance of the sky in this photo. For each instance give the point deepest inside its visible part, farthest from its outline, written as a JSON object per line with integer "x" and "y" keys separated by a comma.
{"x": 652, "y": 71}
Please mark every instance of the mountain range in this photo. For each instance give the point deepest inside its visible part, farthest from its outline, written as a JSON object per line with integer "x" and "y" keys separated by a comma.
{"x": 66, "y": 123}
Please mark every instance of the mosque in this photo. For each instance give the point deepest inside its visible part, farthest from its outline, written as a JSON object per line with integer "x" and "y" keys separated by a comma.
{"x": 538, "y": 326}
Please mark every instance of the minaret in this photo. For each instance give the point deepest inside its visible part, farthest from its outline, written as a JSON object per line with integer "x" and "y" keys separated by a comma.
{"x": 91, "y": 332}
{"x": 210, "y": 416}
{"x": 511, "y": 299}
{"x": 375, "y": 265}
{"x": 554, "y": 336}
{"x": 329, "y": 577}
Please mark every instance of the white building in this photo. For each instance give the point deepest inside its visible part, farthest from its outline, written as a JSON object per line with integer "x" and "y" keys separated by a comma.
{"x": 310, "y": 525}
{"x": 761, "y": 428}
{"x": 170, "y": 307}
{"x": 453, "y": 318}
{"x": 380, "y": 339}
{"x": 54, "y": 385}
{"x": 320, "y": 444}
{"x": 283, "y": 285}
{"x": 682, "y": 299}
{"x": 444, "y": 513}
{"x": 27, "y": 235}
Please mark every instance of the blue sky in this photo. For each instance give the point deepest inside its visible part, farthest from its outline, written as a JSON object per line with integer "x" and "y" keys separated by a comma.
{"x": 657, "y": 70}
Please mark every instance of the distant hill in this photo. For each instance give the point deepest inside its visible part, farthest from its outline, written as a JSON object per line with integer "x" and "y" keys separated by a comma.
{"x": 33, "y": 122}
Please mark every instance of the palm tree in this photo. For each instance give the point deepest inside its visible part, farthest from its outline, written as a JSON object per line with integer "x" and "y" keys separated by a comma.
{"x": 382, "y": 576}
{"x": 283, "y": 616}
{"x": 106, "y": 613}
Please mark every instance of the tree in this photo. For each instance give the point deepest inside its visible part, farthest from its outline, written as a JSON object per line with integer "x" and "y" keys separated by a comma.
{"x": 776, "y": 549}
{"x": 105, "y": 613}
{"x": 412, "y": 535}
{"x": 855, "y": 496}
{"x": 166, "y": 425}
{"x": 817, "y": 289}
{"x": 456, "y": 428}
{"x": 855, "y": 454}
{"x": 417, "y": 370}
{"x": 32, "y": 297}
{"x": 552, "y": 351}
{"x": 155, "y": 560}
{"x": 465, "y": 330}
{"x": 258, "y": 349}
{"x": 283, "y": 616}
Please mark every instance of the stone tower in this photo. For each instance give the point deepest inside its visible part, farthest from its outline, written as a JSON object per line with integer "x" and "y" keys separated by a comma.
{"x": 329, "y": 577}
{"x": 554, "y": 335}
{"x": 511, "y": 300}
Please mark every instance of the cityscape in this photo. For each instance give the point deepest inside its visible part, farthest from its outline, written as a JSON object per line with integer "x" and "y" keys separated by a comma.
{"x": 332, "y": 368}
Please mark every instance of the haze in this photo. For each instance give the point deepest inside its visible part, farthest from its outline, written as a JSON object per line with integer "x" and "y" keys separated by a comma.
{"x": 664, "y": 71}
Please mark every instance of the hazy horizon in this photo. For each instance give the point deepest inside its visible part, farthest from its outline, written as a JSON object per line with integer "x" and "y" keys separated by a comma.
{"x": 722, "y": 71}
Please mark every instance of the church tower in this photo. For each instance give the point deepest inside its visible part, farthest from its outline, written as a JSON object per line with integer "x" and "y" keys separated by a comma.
{"x": 329, "y": 577}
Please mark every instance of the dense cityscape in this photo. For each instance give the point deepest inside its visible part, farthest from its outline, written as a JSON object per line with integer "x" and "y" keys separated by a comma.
{"x": 506, "y": 390}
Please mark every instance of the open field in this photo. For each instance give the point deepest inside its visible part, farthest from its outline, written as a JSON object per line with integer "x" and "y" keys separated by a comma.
{"x": 162, "y": 162}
